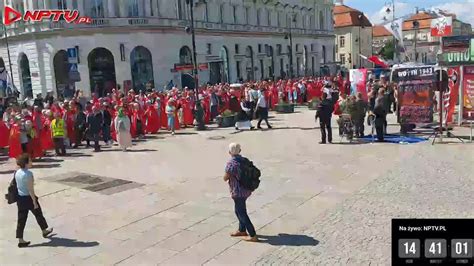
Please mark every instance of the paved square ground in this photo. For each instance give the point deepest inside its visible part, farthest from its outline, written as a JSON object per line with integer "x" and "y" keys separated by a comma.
{"x": 317, "y": 204}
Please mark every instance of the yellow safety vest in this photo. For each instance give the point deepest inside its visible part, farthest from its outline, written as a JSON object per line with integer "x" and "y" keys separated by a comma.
{"x": 58, "y": 128}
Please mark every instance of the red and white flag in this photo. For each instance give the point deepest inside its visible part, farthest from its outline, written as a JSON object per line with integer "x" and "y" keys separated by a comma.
{"x": 442, "y": 26}
{"x": 376, "y": 60}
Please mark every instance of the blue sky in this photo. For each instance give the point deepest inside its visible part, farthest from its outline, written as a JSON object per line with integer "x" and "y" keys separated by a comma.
{"x": 464, "y": 9}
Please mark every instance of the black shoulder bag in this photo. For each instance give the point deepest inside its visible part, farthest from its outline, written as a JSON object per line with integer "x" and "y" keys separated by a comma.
{"x": 12, "y": 193}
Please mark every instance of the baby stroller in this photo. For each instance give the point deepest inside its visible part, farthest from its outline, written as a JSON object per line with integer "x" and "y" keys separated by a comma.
{"x": 347, "y": 127}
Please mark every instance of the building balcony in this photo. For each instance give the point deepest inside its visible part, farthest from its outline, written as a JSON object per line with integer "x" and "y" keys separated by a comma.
{"x": 21, "y": 28}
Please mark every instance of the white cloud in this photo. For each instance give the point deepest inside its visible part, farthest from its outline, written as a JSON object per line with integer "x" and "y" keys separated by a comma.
{"x": 401, "y": 9}
{"x": 463, "y": 9}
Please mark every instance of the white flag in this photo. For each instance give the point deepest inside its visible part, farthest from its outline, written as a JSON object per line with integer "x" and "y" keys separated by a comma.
{"x": 396, "y": 28}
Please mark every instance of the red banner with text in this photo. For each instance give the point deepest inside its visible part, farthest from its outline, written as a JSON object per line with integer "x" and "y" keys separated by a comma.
{"x": 468, "y": 93}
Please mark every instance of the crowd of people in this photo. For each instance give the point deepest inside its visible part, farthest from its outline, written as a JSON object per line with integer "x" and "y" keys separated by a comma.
{"x": 45, "y": 123}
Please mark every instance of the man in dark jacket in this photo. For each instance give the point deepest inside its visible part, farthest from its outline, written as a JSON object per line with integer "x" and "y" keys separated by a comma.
{"x": 79, "y": 125}
{"x": 94, "y": 126}
{"x": 360, "y": 109}
{"x": 380, "y": 112}
{"x": 324, "y": 113}
{"x": 107, "y": 122}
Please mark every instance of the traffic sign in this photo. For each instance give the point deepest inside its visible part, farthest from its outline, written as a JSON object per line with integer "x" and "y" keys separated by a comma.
{"x": 73, "y": 68}
{"x": 72, "y": 56}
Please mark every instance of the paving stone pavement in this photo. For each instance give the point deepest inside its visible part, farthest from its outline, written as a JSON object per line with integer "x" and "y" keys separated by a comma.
{"x": 312, "y": 199}
{"x": 437, "y": 182}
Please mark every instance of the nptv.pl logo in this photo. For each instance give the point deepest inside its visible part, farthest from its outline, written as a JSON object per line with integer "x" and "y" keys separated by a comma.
{"x": 70, "y": 16}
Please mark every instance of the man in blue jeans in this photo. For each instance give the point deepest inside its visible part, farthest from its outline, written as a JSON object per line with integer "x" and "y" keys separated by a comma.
{"x": 239, "y": 194}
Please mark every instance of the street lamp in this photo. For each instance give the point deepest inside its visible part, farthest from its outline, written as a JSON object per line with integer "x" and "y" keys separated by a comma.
{"x": 416, "y": 26}
{"x": 199, "y": 114}
{"x": 360, "y": 17}
{"x": 290, "y": 37}
{"x": 8, "y": 53}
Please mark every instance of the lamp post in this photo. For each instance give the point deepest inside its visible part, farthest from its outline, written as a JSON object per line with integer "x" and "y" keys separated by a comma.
{"x": 199, "y": 111}
{"x": 394, "y": 39}
{"x": 416, "y": 26}
{"x": 290, "y": 37}
{"x": 360, "y": 17}
{"x": 8, "y": 52}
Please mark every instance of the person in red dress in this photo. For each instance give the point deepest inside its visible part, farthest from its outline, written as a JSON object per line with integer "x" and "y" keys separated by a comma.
{"x": 206, "y": 105}
{"x": 187, "y": 105}
{"x": 15, "y": 149}
{"x": 152, "y": 119}
{"x": 4, "y": 134}
{"x": 46, "y": 134}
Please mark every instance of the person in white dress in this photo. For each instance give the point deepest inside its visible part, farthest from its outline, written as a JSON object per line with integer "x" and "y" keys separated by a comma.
{"x": 122, "y": 125}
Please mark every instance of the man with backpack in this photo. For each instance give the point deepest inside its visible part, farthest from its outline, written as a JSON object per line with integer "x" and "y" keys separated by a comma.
{"x": 242, "y": 177}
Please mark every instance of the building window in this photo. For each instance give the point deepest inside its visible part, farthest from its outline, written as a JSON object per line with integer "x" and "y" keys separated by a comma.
{"x": 297, "y": 48}
{"x": 234, "y": 14}
{"x": 247, "y": 15}
{"x": 206, "y": 12}
{"x": 279, "y": 51}
{"x": 237, "y": 67}
{"x": 96, "y": 8}
{"x": 258, "y": 17}
{"x": 342, "y": 58}
{"x": 133, "y": 8}
{"x": 209, "y": 48}
{"x": 278, "y": 19}
{"x": 269, "y": 18}
{"x": 61, "y": 4}
{"x": 262, "y": 70}
{"x": 313, "y": 47}
{"x": 237, "y": 49}
{"x": 321, "y": 20}
{"x": 259, "y": 48}
{"x": 342, "y": 41}
{"x": 221, "y": 13}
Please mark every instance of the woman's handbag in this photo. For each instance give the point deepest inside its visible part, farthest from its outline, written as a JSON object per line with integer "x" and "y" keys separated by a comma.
{"x": 12, "y": 193}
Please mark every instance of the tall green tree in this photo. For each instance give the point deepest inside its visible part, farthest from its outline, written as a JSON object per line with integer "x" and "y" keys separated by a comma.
{"x": 388, "y": 50}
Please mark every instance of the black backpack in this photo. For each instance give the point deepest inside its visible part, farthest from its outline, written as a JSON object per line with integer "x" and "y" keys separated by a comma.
{"x": 249, "y": 174}
{"x": 12, "y": 193}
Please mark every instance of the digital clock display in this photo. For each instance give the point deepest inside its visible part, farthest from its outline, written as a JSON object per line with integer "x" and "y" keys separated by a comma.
{"x": 432, "y": 241}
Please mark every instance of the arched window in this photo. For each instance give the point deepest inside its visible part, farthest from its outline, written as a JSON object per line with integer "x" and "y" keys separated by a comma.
{"x": 25, "y": 76}
{"x": 221, "y": 13}
{"x": 185, "y": 55}
{"x": 132, "y": 8}
{"x": 61, "y": 72}
{"x": 141, "y": 64}
{"x": 259, "y": 16}
{"x": 101, "y": 71}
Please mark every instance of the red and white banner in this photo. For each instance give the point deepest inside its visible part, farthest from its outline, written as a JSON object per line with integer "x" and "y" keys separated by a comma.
{"x": 468, "y": 93}
{"x": 442, "y": 26}
{"x": 358, "y": 79}
{"x": 451, "y": 96}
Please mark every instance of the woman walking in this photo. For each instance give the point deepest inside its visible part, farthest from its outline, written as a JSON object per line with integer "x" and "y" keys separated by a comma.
{"x": 122, "y": 125}
{"x": 170, "y": 112}
{"x": 27, "y": 201}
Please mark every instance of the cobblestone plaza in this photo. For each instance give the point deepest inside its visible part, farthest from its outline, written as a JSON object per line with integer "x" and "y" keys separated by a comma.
{"x": 166, "y": 203}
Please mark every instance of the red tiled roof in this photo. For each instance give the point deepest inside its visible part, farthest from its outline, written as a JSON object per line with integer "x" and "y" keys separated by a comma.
{"x": 380, "y": 31}
{"x": 345, "y": 16}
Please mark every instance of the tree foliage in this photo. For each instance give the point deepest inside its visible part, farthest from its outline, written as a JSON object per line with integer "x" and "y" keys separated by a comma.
{"x": 388, "y": 50}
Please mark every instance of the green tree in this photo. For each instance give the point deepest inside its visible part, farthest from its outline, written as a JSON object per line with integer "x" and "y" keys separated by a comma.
{"x": 388, "y": 50}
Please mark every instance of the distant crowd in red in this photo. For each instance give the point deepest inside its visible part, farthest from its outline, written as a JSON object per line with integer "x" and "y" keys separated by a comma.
{"x": 29, "y": 129}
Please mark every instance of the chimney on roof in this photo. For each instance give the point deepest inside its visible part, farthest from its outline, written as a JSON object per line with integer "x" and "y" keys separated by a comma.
{"x": 416, "y": 10}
